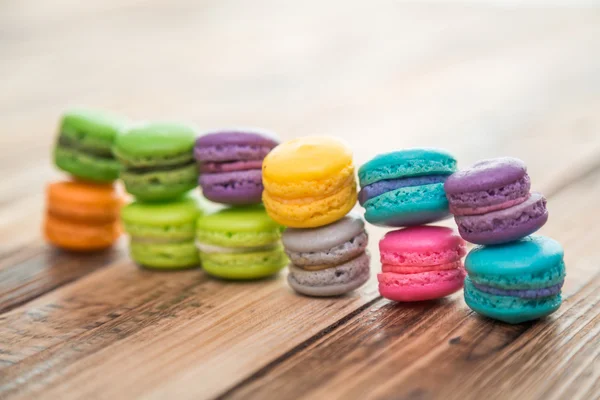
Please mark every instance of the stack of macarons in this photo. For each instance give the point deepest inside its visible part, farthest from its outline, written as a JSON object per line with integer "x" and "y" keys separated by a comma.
{"x": 82, "y": 213}
{"x": 158, "y": 169}
{"x": 310, "y": 188}
{"x": 239, "y": 242}
{"x": 406, "y": 189}
{"x": 512, "y": 276}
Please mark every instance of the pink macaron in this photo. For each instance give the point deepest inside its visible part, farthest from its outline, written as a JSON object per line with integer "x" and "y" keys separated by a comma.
{"x": 421, "y": 263}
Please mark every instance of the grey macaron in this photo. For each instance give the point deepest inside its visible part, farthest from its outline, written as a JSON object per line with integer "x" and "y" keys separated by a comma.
{"x": 330, "y": 260}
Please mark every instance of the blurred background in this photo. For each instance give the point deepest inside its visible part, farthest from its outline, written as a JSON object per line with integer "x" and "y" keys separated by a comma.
{"x": 481, "y": 78}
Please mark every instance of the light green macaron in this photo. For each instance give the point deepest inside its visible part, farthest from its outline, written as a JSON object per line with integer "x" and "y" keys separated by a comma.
{"x": 162, "y": 234}
{"x": 240, "y": 243}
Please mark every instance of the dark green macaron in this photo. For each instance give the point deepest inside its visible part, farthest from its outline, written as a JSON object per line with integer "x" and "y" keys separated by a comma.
{"x": 162, "y": 234}
{"x": 84, "y": 145}
{"x": 157, "y": 160}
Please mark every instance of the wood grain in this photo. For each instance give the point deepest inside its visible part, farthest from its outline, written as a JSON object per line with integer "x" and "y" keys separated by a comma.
{"x": 481, "y": 80}
{"x": 442, "y": 350}
{"x": 37, "y": 269}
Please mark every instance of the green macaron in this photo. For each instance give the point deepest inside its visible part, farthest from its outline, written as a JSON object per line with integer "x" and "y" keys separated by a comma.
{"x": 240, "y": 243}
{"x": 162, "y": 234}
{"x": 157, "y": 160}
{"x": 84, "y": 145}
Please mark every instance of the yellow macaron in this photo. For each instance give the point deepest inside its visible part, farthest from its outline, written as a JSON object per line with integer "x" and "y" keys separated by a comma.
{"x": 309, "y": 182}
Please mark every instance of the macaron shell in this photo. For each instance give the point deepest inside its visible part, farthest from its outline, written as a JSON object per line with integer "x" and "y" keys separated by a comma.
{"x": 244, "y": 266}
{"x": 325, "y": 237}
{"x": 311, "y": 213}
{"x": 242, "y": 227}
{"x": 235, "y": 188}
{"x": 531, "y": 254}
{"x": 84, "y": 202}
{"x": 246, "y": 136}
{"x": 84, "y": 166}
{"x": 308, "y": 190}
{"x": 529, "y": 263}
{"x": 153, "y": 143}
{"x": 486, "y": 174}
{"x": 328, "y": 291}
{"x": 76, "y": 236}
{"x": 333, "y": 256}
{"x": 161, "y": 185}
{"x": 234, "y": 145}
{"x": 92, "y": 128}
{"x": 506, "y": 225}
{"x": 170, "y": 256}
{"x": 331, "y": 281}
{"x": 180, "y": 212}
{"x": 428, "y": 241}
{"x": 310, "y": 158}
{"x": 406, "y": 163}
{"x": 420, "y": 286}
{"x": 408, "y": 206}
{"x": 160, "y": 234}
{"x": 231, "y": 153}
{"x": 509, "y": 309}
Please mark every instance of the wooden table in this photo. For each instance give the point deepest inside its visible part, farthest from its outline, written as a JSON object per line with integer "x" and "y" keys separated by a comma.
{"x": 477, "y": 78}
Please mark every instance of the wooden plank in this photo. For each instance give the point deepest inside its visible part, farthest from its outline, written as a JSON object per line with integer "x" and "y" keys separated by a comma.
{"x": 38, "y": 269}
{"x": 443, "y": 350}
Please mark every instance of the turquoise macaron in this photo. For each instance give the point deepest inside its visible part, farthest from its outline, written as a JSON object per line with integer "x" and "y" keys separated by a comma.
{"x": 405, "y": 188}
{"x": 515, "y": 282}
{"x": 162, "y": 234}
{"x": 84, "y": 145}
{"x": 157, "y": 160}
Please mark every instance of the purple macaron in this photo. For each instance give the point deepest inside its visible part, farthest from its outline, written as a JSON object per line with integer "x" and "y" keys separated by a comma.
{"x": 230, "y": 163}
{"x": 492, "y": 204}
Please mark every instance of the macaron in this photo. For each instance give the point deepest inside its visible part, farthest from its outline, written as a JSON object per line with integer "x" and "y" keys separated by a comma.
{"x": 162, "y": 234}
{"x": 240, "y": 243}
{"x": 330, "y": 260}
{"x": 230, "y": 163}
{"x": 421, "y": 263}
{"x": 309, "y": 181}
{"x": 405, "y": 188}
{"x": 492, "y": 204}
{"x": 83, "y": 147}
{"x": 516, "y": 282}
{"x": 82, "y": 216}
{"x": 157, "y": 160}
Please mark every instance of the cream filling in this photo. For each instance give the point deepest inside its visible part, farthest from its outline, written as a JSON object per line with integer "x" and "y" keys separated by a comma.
{"x": 212, "y": 249}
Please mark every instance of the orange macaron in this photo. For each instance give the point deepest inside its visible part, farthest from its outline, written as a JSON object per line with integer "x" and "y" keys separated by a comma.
{"x": 82, "y": 216}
